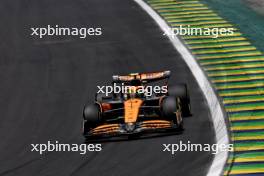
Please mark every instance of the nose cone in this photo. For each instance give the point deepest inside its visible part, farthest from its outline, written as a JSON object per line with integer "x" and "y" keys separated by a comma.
{"x": 130, "y": 127}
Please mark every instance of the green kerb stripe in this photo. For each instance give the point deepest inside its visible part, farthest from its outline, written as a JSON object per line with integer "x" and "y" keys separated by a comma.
{"x": 236, "y": 69}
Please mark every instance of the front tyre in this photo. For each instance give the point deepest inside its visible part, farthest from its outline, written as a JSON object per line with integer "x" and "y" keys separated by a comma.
{"x": 170, "y": 109}
{"x": 92, "y": 116}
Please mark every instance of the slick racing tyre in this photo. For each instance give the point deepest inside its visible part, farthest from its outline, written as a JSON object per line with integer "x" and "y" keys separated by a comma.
{"x": 92, "y": 115}
{"x": 169, "y": 107}
{"x": 181, "y": 92}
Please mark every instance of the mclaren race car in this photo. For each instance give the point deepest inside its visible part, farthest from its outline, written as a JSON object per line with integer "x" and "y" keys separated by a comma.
{"x": 137, "y": 108}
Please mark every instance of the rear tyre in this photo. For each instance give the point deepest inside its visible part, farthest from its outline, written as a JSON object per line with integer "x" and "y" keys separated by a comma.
{"x": 181, "y": 91}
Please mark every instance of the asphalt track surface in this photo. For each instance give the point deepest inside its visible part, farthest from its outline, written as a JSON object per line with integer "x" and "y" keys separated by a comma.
{"x": 45, "y": 83}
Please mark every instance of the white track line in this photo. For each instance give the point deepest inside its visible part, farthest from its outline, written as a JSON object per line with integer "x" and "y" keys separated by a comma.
{"x": 217, "y": 114}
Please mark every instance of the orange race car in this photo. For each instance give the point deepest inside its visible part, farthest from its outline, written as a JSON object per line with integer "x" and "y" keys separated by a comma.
{"x": 135, "y": 107}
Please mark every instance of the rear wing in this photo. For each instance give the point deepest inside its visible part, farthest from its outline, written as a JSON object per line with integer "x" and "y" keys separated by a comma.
{"x": 146, "y": 77}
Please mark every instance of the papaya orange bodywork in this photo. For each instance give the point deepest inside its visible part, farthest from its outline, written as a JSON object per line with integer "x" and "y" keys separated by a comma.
{"x": 132, "y": 107}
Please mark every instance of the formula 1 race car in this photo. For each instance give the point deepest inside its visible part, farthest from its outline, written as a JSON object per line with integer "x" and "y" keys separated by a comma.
{"x": 136, "y": 107}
